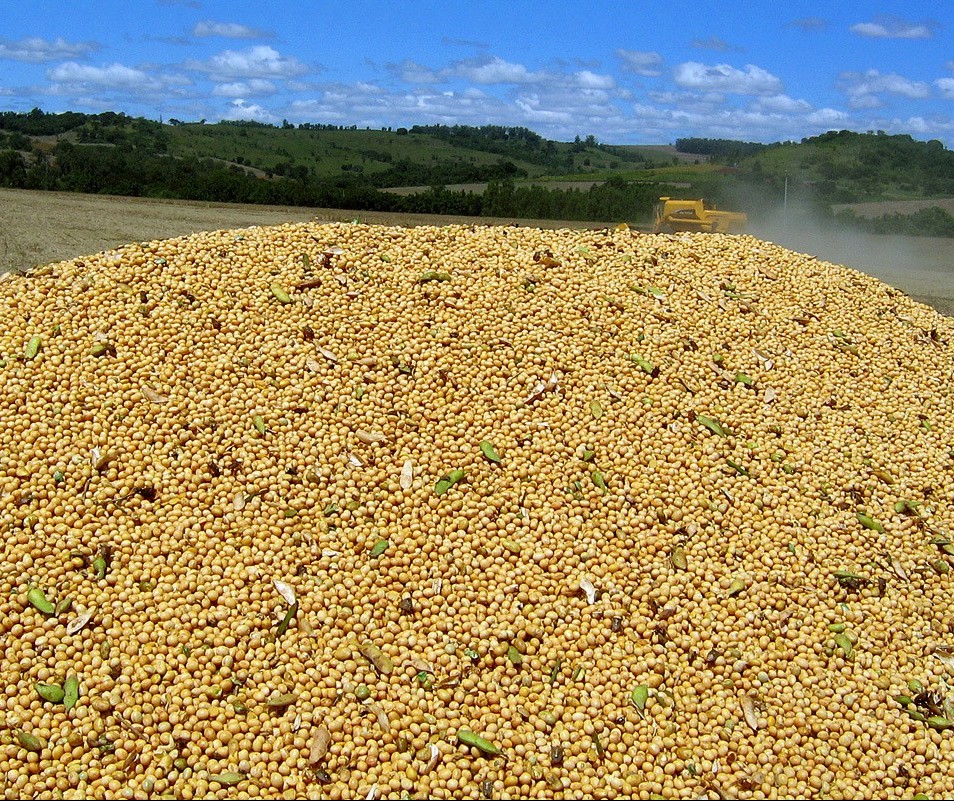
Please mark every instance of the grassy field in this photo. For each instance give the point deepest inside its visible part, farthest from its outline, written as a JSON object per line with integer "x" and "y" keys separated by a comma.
{"x": 41, "y": 227}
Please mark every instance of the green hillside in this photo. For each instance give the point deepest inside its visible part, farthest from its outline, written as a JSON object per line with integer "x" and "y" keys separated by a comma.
{"x": 465, "y": 170}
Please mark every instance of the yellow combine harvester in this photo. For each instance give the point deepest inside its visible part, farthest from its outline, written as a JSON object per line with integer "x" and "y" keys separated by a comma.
{"x": 694, "y": 215}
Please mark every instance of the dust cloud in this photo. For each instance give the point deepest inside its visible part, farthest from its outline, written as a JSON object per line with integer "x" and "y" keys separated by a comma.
{"x": 922, "y": 267}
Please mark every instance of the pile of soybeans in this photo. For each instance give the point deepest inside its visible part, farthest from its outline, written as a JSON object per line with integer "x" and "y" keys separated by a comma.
{"x": 349, "y": 511}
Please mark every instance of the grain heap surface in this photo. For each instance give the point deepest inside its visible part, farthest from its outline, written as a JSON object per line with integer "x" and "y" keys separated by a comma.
{"x": 347, "y": 511}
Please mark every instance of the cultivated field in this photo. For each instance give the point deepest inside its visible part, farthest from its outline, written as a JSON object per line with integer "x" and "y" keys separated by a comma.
{"x": 41, "y": 227}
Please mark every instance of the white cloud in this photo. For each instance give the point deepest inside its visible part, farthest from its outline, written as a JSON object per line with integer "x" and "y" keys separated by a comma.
{"x": 641, "y": 62}
{"x": 34, "y": 50}
{"x": 240, "y": 110}
{"x": 412, "y": 72}
{"x": 494, "y": 70}
{"x": 945, "y": 87}
{"x": 590, "y": 80}
{"x": 723, "y": 78}
{"x": 783, "y": 104}
{"x": 227, "y": 30}
{"x": 888, "y": 27}
{"x": 260, "y": 61}
{"x": 864, "y": 89}
{"x": 74, "y": 77}
{"x": 250, "y": 88}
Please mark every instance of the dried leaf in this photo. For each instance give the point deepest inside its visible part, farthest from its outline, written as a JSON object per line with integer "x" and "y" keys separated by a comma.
{"x": 946, "y": 655}
{"x": 370, "y": 437}
{"x": 748, "y": 712}
{"x": 78, "y": 623}
{"x": 320, "y": 743}
{"x": 328, "y": 354}
{"x": 285, "y": 590}
{"x": 152, "y": 396}
{"x": 596, "y": 409}
{"x": 407, "y": 474}
{"x": 381, "y": 716}
{"x": 381, "y": 661}
{"x": 434, "y": 758}
{"x": 588, "y": 589}
{"x": 313, "y": 365}
{"x": 678, "y": 558}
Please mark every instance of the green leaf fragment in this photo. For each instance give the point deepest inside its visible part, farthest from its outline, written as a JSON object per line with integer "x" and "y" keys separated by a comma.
{"x": 379, "y": 547}
{"x": 596, "y": 409}
{"x": 644, "y": 365}
{"x": 940, "y": 722}
{"x": 70, "y": 692}
{"x": 742, "y": 378}
{"x": 228, "y": 779}
{"x": 870, "y": 523}
{"x": 259, "y": 422}
{"x": 514, "y": 656}
{"x": 448, "y": 481}
{"x": 31, "y": 742}
{"x": 846, "y": 645}
{"x": 836, "y": 628}
{"x": 49, "y": 692}
{"x": 468, "y": 738}
{"x": 489, "y": 452}
{"x": 280, "y": 294}
{"x": 588, "y": 456}
{"x": 99, "y": 567}
{"x": 639, "y": 697}
{"x": 599, "y": 480}
{"x": 712, "y": 424}
{"x": 286, "y": 620}
{"x": 738, "y": 468}
{"x": 904, "y": 507}
{"x": 32, "y": 347}
{"x": 39, "y": 601}
{"x": 433, "y": 275}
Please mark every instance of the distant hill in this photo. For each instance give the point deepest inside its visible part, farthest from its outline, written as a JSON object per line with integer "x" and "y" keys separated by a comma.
{"x": 499, "y": 170}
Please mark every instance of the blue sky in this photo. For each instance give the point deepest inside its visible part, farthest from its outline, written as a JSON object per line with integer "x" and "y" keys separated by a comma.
{"x": 625, "y": 72}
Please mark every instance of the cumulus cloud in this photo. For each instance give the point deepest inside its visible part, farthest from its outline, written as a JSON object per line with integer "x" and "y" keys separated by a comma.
{"x": 251, "y": 88}
{"x": 240, "y": 110}
{"x": 783, "y": 104}
{"x": 865, "y": 89}
{"x": 493, "y": 70}
{"x": 227, "y": 30}
{"x": 260, "y": 61}
{"x": 946, "y": 87}
{"x": 34, "y": 50}
{"x": 640, "y": 62}
{"x": 71, "y": 76}
{"x": 888, "y": 27}
{"x": 722, "y": 78}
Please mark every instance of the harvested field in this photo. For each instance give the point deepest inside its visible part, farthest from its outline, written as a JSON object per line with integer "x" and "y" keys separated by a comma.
{"x": 347, "y": 511}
